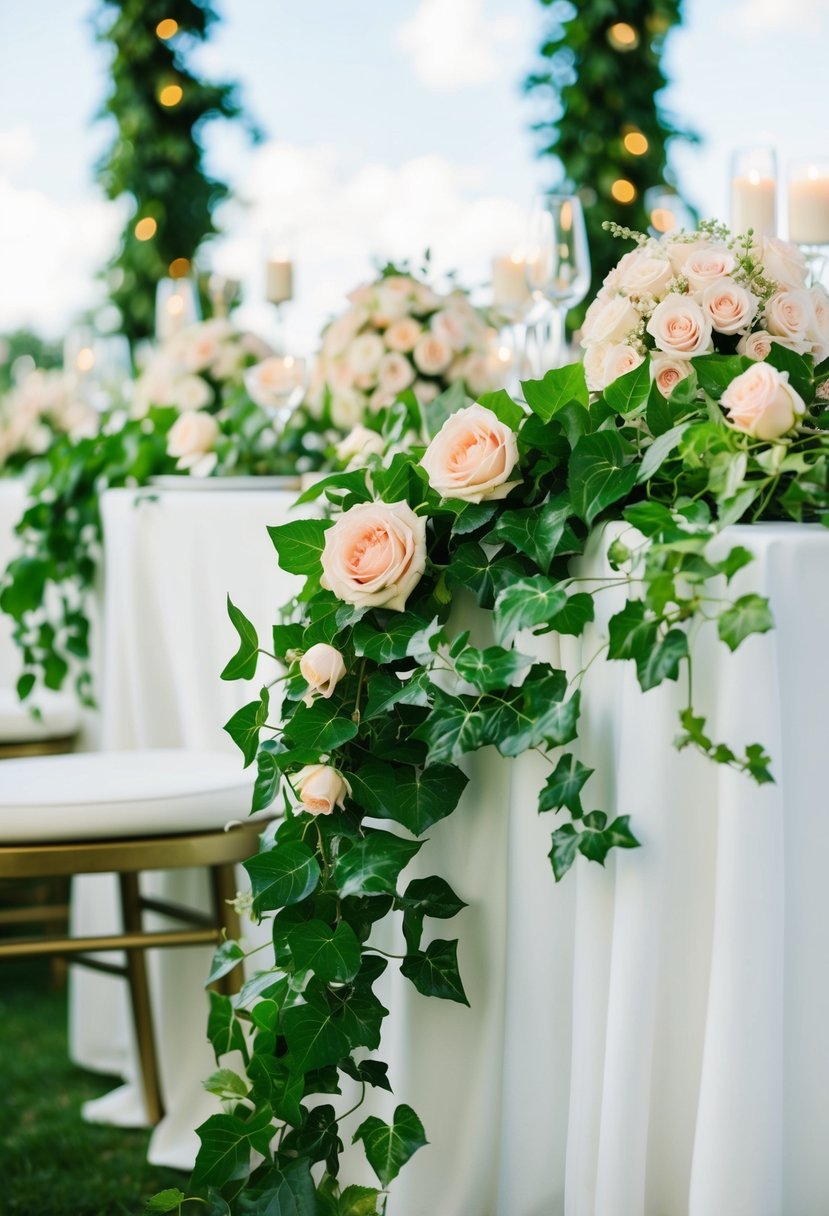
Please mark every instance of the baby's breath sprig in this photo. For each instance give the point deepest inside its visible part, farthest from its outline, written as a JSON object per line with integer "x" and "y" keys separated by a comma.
{"x": 625, "y": 234}
{"x": 750, "y": 271}
{"x": 715, "y": 230}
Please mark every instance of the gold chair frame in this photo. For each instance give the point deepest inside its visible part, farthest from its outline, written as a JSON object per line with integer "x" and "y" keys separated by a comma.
{"x": 218, "y": 852}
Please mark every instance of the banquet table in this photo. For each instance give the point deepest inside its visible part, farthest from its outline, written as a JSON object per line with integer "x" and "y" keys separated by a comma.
{"x": 644, "y": 1039}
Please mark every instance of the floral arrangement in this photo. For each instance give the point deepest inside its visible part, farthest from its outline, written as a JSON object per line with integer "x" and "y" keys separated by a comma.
{"x": 43, "y": 406}
{"x": 399, "y": 334}
{"x": 384, "y": 692}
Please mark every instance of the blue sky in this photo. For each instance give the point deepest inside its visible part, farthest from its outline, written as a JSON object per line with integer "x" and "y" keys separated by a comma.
{"x": 390, "y": 124}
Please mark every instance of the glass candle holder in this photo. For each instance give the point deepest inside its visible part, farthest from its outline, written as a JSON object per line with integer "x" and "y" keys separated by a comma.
{"x": 176, "y": 307}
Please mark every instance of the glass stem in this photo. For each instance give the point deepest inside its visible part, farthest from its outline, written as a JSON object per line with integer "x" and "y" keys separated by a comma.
{"x": 557, "y": 343}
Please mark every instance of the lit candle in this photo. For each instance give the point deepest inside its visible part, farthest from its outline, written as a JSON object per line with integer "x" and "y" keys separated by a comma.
{"x": 509, "y": 281}
{"x": 809, "y": 208}
{"x": 754, "y": 204}
{"x": 279, "y": 280}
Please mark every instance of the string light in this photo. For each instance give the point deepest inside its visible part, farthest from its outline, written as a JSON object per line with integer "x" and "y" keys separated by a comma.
{"x": 623, "y": 191}
{"x": 166, "y": 28}
{"x": 179, "y": 268}
{"x": 85, "y": 359}
{"x": 171, "y": 95}
{"x": 636, "y": 143}
{"x": 146, "y": 229}
{"x": 623, "y": 37}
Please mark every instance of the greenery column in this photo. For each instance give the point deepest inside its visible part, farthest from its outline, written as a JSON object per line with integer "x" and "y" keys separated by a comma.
{"x": 599, "y": 80}
{"x": 159, "y": 106}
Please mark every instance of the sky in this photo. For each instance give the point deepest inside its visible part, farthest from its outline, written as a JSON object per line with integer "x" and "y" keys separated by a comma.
{"x": 391, "y": 125}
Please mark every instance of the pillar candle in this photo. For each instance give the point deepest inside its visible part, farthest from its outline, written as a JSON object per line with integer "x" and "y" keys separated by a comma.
{"x": 809, "y": 210}
{"x": 754, "y": 204}
{"x": 279, "y": 280}
{"x": 509, "y": 281}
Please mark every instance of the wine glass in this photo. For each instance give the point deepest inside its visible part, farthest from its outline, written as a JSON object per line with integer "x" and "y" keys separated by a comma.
{"x": 667, "y": 213}
{"x": 277, "y": 385}
{"x": 558, "y": 267}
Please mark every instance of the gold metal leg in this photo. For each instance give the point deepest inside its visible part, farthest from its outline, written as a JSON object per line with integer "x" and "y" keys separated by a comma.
{"x": 223, "y": 885}
{"x": 140, "y": 994}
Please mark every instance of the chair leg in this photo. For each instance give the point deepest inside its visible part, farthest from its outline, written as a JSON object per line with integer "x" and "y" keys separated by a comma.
{"x": 140, "y": 998}
{"x": 223, "y": 886}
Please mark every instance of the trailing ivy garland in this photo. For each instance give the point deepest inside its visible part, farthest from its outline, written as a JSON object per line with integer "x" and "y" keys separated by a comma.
{"x": 384, "y": 695}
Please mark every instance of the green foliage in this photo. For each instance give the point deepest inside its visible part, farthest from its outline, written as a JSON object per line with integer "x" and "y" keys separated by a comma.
{"x": 156, "y": 157}
{"x": 592, "y": 92}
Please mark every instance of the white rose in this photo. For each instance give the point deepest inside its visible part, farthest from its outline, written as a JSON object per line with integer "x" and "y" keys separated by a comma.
{"x": 364, "y": 354}
{"x": 755, "y": 346}
{"x": 199, "y": 345}
{"x": 320, "y": 788}
{"x": 392, "y": 299}
{"x": 667, "y": 371}
{"x": 480, "y": 374}
{"x": 191, "y": 393}
{"x": 728, "y": 306}
{"x": 704, "y": 266}
{"x": 472, "y": 456}
{"x": 643, "y": 273}
{"x": 783, "y": 262}
{"x": 322, "y": 667}
{"x": 680, "y": 251}
{"x": 347, "y": 408}
{"x": 680, "y": 327}
{"x": 432, "y": 355}
{"x": 272, "y": 381}
{"x": 340, "y": 374}
{"x": 191, "y": 438}
{"x": 375, "y": 555}
{"x": 341, "y": 331}
{"x": 790, "y": 315}
{"x": 594, "y": 361}
{"x": 425, "y": 391}
{"x": 395, "y": 373}
{"x": 609, "y": 320}
{"x": 452, "y": 326}
{"x": 818, "y": 331}
{"x": 403, "y": 334}
{"x": 361, "y": 442}
{"x": 762, "y": 403}
{"x": 425, "y": 300}
{"x": 619, "y": 360}
{"x": 380, "y": 399}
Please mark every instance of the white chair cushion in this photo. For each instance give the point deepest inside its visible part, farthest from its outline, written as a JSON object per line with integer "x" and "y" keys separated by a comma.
{"x": 60, "y": 717}
{"x": 108, "y": 795}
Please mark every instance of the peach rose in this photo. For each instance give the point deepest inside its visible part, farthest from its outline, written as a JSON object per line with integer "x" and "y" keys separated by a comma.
{"x": 755, "y": 346}
{"x": 452, "y": 326}
{"x": 199, "y": 346}
{"x": 594, "y": 359}
{"x": 790, "y": 315}
{"x": 680, "y": 251}
{"x": 783, "y": 262}
{"x": 667, "y": 371}
{"x": 619, "y": 360}
{"x": 347, "y": 408}
{"x": 341, "y": 331}
{"x": 375, "y": 555}
{"x": 609, "y": 320}
{"x": 394, "y": 373}
{"x": 365, "y": 353}
{"x": 425, "y": 391}
{"x": 644, "y": 274}
{"x": 472, "y": 456}
{"x": 320, "y": 788}
{"x": 403, "y": 334}
{"x": 762, "y": 403}
{"x": 728, "y": 306}
{"x": 322, "y": 667}
{"x": 191, "y": 440}
{"x": 191, "y": 393}
{"x": 704, "y": 266}
{"x": 680, "y": 327}
{"x": 339, "y": 374}
{"x": 272, "y": 381}
{"x": 432, "y": 355}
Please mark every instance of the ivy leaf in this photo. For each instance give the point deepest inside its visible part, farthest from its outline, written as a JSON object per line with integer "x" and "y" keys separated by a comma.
{"x": 558, "y": 388}
{"x": 417, "y": 798}
{"x": 224, "y": 1155}
{"x": 373, "y": 1072}
{"x": 599, "y": 473}
{"x": 800, "y": 369}
{"x": 389, "y": 1146}
{"x": 352, "y": 482}
{"x": 716, "y": 372}
{"x": 268, "y": 773}
{"x": 223, "y": 1028}
{"x": 165, "y": 1201}
{"x": 373, "y": 865}
{"x": 564, "y": 785}
{"x": 358, "y": 1201}
{"x": 504, "y": 408}
{"x": 662, "y": 662}
{"x": 386, "y": 689}
{"x": 243, "y": 664}
{"x": 434, "y": 972}
{"x": 319, "y": 727}
{"x": 492, "y": 668}
{"x": 287, "y": 637}
{"x": 426, "y": 897}
{"x": 332, "y": 954}
{"x": 596, "y": 841}
{"x": 299, "y": 545}
{"x": 565, "y": 846}
{"x": 388, "y": 642}
{"x": 290, "y": 1192}
{"x": 578, "y": 611}
{"x": 485, "y": 575}
{"x": 659, "y": 451}
{"x": 630, "y": 391}
{"x": 632, "y": 634}
{"x": 525, "y": 604}
{"x": 226, "y": 1083}
{"x": 735, "y": 560}
{"x": 314, "y": 1036}
{"x": 452, "y": 729}
{"x": 535, "y": 531}
{"x": 225, "y": 958}
{"x": 245, "y": 725}
{"x": 283, "y": 876}
{"x": 749, "y": 614}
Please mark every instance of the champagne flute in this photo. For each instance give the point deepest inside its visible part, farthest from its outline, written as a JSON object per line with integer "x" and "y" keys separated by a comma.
{"x": 558, "y": 268}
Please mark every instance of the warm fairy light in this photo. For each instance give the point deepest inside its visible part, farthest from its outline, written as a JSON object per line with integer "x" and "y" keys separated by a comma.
{"x": 623, "y": 191}
{"x": 171, "y": 95}
{"x": 85, "y": 359}
{"x": 566, "y": 216}
{"x": 166, "y": 28}
{"x": 622, "y": 37}
{"x": 662, "y": 219}
{"x": 636, "y": 143}
{"x": 175, "y": 305}
{"x": 179, "y": 267}
{"x": 146, "y": 229}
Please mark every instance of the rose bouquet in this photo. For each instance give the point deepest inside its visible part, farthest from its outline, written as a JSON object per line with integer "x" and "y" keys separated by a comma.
{"x": 399, "y": 334}
{"x": 43, "y": 406}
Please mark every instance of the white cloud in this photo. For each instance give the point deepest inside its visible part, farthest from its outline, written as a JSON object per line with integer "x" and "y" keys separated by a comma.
{"x": 454, "y": 43}
{"x": 760, "y": 17}
{"x": 17, "y": 148}
{"x": 335, "y": 223}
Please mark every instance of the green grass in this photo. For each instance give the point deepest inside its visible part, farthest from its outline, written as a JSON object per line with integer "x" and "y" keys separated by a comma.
{"x": 51, "y": 1162}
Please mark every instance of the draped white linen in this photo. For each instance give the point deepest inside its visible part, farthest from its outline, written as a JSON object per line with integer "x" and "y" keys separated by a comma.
{"x": 646, "y": 1039}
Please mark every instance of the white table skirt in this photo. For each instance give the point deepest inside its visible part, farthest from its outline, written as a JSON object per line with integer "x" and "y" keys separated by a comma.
{"x": 170, "y": 559}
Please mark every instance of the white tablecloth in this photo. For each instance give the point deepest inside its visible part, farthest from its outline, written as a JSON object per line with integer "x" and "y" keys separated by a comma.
{"x": 170, "y": 560}
{"x": 646, "y": 1039}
